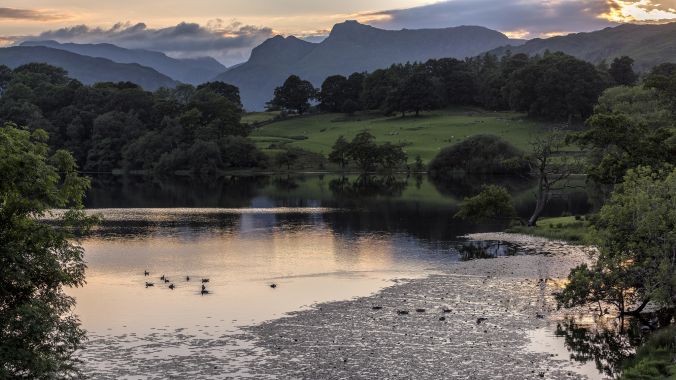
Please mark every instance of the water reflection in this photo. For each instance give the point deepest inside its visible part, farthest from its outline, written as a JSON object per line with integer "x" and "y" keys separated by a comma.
{"x": 607, "y": 343}
{"x": 473, "y": 250}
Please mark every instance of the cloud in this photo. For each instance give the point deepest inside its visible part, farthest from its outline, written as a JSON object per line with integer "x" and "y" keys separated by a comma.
{"x": 29, "y": 14}
{"x": 528, "y": 18}
{"x": 228, "y": 42}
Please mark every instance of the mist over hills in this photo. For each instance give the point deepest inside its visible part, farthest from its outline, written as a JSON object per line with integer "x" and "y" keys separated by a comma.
{"x": 351, "y": 47}
{"x": 186, "y": 70}
{"x": 87, "y": 70}
{"x": 648, "y": 45}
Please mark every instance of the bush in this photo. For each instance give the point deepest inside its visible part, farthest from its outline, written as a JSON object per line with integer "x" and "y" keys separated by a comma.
{"x": 480, "y": 154}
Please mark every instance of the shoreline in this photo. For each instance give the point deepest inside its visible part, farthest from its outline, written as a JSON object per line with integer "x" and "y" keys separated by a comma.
{"x": 472, "y": 320}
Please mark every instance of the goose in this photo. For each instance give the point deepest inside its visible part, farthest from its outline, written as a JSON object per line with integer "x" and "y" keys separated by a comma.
{"x": 187, "y": 278}
{"x": 204, "y": 291}
{"x": 204, "y": 288}
{"x": 205, "y": 280}
{"x": 171, "y": 286}
{"x": 273, "y": 286}
{"x": 162, "y": 278}
{"x": 166, "y": 280}
{"x": 149, "y": 284}
{"x": 146, "y": 273}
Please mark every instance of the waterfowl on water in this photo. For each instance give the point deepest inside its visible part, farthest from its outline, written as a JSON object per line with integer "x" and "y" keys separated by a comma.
{"x": 205, "y": 280}
{"x": 146, "y": 273}
{"x": 162, "y": 278}
{"x": 273, "y": 286}
{"x": 149, "y": 284}
{"x": 204, "y": 291}
{"x": 166, "y": 280}
{"x": 171, "y": 286}
{"x": 204, "y": 288}
{"x": 187, "y": 278}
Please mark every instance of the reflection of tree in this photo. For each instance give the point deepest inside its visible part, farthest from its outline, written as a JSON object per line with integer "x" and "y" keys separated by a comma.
{"x": 137, "y": 192}
{"x": 285, "y": 183}
{"x": 472, "y": 250}
{"x": 607, "y": 347}
{"x": 366, "y": 186}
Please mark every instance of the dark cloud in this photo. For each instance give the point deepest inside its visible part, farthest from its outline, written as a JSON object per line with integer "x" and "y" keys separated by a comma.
{"x": 230, "y": 43}
{"x": 536, "y": 17}
{"x": 28, "y": 14}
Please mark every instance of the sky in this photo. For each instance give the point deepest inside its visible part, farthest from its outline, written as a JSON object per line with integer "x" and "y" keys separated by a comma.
{"x": 229, "y": 29}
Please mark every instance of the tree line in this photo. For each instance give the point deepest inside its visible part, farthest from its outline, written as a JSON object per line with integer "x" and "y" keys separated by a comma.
{"x": 110, "y": 126}
{"x": 553, "y": 86}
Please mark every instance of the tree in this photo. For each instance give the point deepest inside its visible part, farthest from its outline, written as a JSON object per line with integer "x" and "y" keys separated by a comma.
{"x": 663, "y": 79}
{"x": 638, "y": 103}
{"x": 622, "y": 71}
{"x": 286, "y": 158}
{"x": 552, "y": 169}
{"x": 38, "y": 332}
{"x": 364, "y": 151}
{"x": 225, "y": 90}
{"x": 295, "y": 94}
{"x": 492, "y": 203}
{"x": 415, "y": 93}
{"x": 636, "y": 239}
{"x": 332, "y": 95}
{"x": 618, "y": 143}
{"x": 557, "y": 86}
{"x": 340, "y": 152}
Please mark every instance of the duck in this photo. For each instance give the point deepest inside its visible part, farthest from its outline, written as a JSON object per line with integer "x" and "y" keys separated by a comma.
{"x": 166, "y": 280}
{"x": 273, "y": 286}
{"x": 205, "y": 280}
{"x": 204, "y": 291}
{"x": 187, "y": 278}
{"x": 171, "y": 286}
{"x": 162, "y": 278}
{"x": 146, "y": 273}
{"x": 149, "y": 284}
{"x": 204, "y": 288}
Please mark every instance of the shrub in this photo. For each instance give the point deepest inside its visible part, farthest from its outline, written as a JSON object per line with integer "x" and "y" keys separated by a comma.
{"x": 480, "y": 154}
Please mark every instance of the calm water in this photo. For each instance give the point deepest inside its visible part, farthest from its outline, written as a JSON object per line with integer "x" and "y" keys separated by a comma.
{"x": 317, "y": 238}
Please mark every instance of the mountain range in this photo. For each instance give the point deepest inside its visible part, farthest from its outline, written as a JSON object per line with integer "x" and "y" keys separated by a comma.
{"x": 87, "y": 70}
{"x": 350, "y": 47}
{"x": 648, "y": 45}
{"x": 186, "y": 70}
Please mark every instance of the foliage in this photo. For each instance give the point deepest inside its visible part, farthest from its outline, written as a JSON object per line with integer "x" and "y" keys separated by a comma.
{"x": 112, "y": 126}
{"x": 638, "y": 103}
{"x": 655, "y": 359}
{"x": 622, "y": 71}
{"x": 618, "y": 143}
{"x": 492, "y": 203}
{"x": 557, "y": 86}
{"x": 295, "y": 94}
{"x": 366, "y": 153}
{"x": 636, "y": 238}
{"x": 480, "y": 154}
{"x": 38, "y": 332}
{"x": 566, "y": 228}
{"x": 415, "y": 93}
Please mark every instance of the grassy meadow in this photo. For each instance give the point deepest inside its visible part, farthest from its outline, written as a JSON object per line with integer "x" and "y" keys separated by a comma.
{"x": 424, "y": 135}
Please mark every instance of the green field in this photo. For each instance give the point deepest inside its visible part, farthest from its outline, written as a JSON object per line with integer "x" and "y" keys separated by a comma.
{"x": 565, "y": 228}
{"x": 424, "y": 135}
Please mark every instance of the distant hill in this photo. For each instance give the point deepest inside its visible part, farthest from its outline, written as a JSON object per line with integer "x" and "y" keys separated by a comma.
{"x": 351, "y": 47}
{"x": 189, "y": 70}
{"x": 648, "y": 45}
{"x": 86, "y": 69}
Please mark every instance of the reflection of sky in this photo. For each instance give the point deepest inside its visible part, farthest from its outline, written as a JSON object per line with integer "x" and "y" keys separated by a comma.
{"x": 294, "y": 248}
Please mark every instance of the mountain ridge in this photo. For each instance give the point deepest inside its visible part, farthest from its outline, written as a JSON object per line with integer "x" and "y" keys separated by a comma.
{"x": 86, "y": 69}
{"x": 350, "y": 47}
{"x": 186, "y": 70}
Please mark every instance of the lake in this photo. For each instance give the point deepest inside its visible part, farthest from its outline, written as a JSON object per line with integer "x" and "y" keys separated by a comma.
{"x": 317, "y": 238}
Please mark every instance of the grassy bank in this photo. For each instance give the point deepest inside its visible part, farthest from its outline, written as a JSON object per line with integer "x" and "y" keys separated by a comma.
{"x": 424, "y": 135}
{"x": 566, "y": 228}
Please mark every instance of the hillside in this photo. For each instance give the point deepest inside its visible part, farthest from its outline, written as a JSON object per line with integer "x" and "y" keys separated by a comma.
{"x": 423, "y": 136}
{"x": 349, "y": 48}
{"x": 87, "y": 70}
{"x": 648, "y": 45}
{"x": 189, "y": 70}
